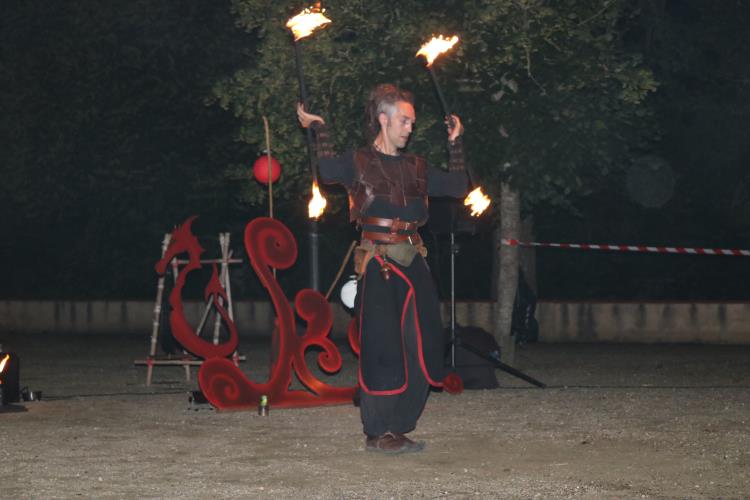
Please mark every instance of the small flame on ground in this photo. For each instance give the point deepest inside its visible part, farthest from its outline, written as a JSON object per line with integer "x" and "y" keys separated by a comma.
{"x": 478, "y": 201}
{"x": 436, "y": 46}
{"x": 317, "y": 204}
{"x": 307, "y": 21}
{"x": 4, "y": 362}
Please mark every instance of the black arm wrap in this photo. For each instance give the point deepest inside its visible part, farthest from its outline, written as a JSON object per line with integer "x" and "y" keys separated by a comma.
{"x": 323, "y": 145}
{"x": 456, "y": 156}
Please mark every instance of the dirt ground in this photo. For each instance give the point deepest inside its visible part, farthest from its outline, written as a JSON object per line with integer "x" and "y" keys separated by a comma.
{"x": 618, "y": 421}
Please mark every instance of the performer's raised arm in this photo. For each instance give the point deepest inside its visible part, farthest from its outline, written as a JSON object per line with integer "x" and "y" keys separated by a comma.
{"x": 454, "y": 182}
{"x": 332, "y": 169}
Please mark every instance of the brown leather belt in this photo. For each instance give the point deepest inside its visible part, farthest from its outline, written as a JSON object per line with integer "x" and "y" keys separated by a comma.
{"x": 376, "y": 237}
{"x": 409, "y": 230}
{"x": 395, "y": 225}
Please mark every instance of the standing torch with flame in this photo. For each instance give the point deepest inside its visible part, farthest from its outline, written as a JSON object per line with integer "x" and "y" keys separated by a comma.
{"x": 9, "y": 384}
{"x": 3, "y": 363}
{"x": 302, "y": 26}
{"x": 476, "y": 199}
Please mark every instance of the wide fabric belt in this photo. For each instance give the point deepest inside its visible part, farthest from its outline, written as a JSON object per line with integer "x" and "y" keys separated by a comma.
{"x": 400, "y": 248}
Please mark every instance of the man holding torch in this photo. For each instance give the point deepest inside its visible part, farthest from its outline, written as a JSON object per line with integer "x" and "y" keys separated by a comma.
{"x": 398, "y": 312}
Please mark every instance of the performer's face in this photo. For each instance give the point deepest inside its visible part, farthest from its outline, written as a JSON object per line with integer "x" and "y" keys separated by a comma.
{"x": 398, "y": 126}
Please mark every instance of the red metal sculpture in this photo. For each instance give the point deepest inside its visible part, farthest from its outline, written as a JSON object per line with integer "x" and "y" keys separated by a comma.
{"x": 268, "y": 243}
{"x": 183, "y": 241}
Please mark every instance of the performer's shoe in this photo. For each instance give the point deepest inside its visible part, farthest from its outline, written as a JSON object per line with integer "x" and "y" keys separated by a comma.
{"x": 383, "y": 444}
{"x": 408, "y": 445}
{"x": 393, "y": 444}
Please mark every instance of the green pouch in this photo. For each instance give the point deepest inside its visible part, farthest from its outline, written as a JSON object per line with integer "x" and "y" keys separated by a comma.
{"x": 402, "y": 253}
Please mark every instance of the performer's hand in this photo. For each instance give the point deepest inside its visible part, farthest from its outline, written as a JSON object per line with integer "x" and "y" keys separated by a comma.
{"x": 455, "y": 128}
{"x": 305, "y": 118}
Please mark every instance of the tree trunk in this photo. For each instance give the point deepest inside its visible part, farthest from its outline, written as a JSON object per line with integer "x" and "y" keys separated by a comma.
{"x": 507, "y": 283}
{"x": 527, "y": 255}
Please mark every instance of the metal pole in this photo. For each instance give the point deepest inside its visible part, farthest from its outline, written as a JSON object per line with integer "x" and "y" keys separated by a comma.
{"x": 314, "y": 255}
{"x": 303, "y": 97}
{"x": 313, "y": 227}
{"x": 453, "y": 294}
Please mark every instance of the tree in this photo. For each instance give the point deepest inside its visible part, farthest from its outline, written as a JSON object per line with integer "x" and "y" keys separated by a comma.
{"x": 565, "y": 109}
{"x": 551, "y": 97}
{"x": 106, "y": 139}
{"x": 700, "y": 54}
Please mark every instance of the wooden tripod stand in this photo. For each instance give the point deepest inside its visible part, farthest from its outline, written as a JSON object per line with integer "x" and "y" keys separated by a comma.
{"x": 186, "y": 360}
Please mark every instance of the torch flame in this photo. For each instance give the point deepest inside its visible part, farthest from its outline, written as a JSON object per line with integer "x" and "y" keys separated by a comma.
{"x": 3, "y": 362}
{"x": 317, "y": 204}
{"x": 478, "y": 201}
{"x": 436, "y": 46}
{"x": 307, "y": 21}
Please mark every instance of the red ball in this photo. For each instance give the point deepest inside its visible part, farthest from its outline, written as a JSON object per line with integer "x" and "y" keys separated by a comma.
{"x": 260, "y": 169}
{"x": 453, "y": 384}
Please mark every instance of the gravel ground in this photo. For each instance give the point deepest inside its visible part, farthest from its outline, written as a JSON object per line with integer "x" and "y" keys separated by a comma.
{"x": 617, "y": 421}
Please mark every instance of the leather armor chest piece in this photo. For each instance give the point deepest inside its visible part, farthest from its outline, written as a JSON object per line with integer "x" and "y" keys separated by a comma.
{"x": 398, "y": 182}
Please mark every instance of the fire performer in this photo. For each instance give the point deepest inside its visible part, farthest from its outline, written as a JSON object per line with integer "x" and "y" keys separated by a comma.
{"x": 401, "y": 331}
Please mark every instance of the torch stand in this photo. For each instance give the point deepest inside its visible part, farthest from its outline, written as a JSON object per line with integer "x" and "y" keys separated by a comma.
{"x": 492, "y": 357}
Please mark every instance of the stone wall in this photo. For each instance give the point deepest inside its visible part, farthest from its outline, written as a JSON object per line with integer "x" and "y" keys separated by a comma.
{"x": 702, "y": 322}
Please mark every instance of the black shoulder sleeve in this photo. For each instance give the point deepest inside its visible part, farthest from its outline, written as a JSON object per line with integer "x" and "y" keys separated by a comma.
{"x": 337, "y": 169}
{"x": 332, "y": 169}
{"x": 442, "y": 183}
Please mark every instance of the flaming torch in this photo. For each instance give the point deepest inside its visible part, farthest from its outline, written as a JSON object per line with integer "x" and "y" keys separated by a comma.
{"x": 431, "y": 50}
{"x": 317, "y": 204}
{"x": 2, "y": 367}
{"x": 9, "y": 386}
{"x": 307, "y": 21}
{"x": 477, "y": 201}
{"x": 302, "y": 26}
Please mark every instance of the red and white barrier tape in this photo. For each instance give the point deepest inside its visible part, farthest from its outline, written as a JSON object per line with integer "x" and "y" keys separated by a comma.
{"x": 735, "y": 252}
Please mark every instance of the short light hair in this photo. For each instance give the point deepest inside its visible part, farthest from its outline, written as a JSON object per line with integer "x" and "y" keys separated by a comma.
{"x": 384, "y": 99}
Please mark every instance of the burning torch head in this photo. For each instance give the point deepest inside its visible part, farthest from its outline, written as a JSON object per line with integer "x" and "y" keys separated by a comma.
{"x": 317, "y": 204}
{"x": 10, "y": 391}
{"x": 436, "y": 46}
{"x": 307, "y": 21}
{"x": 3, "y": 364}
{"x": 477, "y": 201}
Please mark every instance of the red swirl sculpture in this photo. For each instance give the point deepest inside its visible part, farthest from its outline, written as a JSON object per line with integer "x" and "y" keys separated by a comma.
{"x": 268, "y": 243}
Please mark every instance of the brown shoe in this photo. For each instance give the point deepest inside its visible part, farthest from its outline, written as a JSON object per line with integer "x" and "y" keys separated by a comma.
{"x": 383, "y": 444}
{"x": 393, "y": 444}
{"x": 407, "y": 445}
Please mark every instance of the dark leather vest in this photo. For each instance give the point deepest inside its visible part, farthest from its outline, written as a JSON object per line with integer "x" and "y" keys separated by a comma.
{"x": 398, "y": 182}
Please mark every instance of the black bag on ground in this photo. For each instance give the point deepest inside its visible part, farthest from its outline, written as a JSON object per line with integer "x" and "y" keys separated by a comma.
{"x": 473, "y": 346}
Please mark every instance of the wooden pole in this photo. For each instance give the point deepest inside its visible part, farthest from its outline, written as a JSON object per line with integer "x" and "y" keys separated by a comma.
{"x": 270, "y": 181}
{"x": 217, "y": 317}
{"x": 270, "y": 184}
{"x": 341, "y": 268}
{"x": 157, "y": 313}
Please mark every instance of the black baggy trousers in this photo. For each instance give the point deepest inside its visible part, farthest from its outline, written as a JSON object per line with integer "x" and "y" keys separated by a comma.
{"x": 389, "y": 339}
